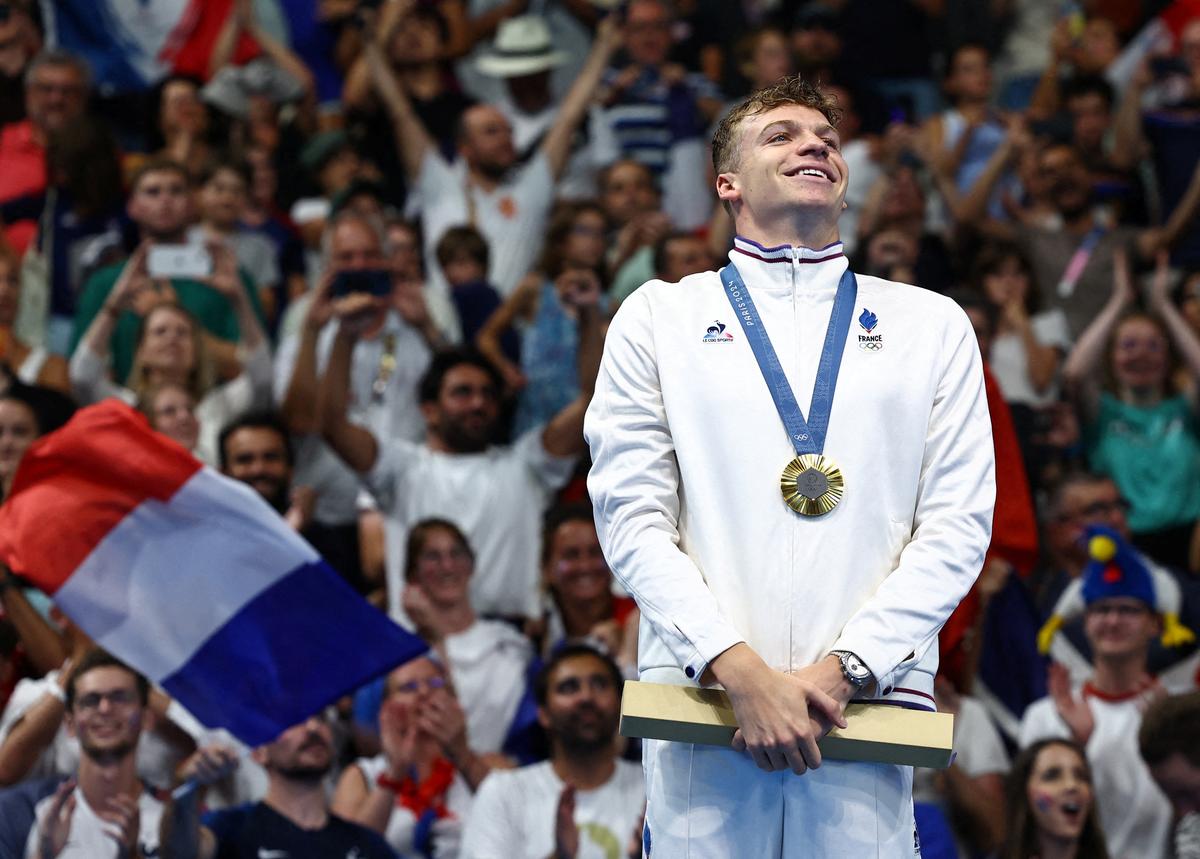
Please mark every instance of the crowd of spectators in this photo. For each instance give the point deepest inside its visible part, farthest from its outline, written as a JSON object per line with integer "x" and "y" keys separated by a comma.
{"x": 367, "y": 270}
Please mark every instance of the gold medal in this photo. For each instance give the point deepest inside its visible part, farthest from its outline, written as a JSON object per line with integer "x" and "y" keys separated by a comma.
{"x": 812, "y": 484}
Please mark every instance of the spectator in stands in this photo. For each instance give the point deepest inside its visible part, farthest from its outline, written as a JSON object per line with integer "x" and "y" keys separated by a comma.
{"x": 221, "y": 199}
{"x": 19, "y": 42}
{"x": 417, "y": 792}
{"x": 80, "y": 226}
{"x": 579, "y": 588}
{"x": 1089, "y": 102}
{"x": 463, "y": 255}
{"x": 659, "y": 111}
{"x": 1052, "y": 804}
{"x": 487, "y": 659}
{"x": 183, "y": 123}
{"x": 897, "y": 207}
{"x": 293, "y": 819}
{"x": 18, "y": 429}
{"x": 160, "y": 205}
{"x": 523, "y": 58}
{"x": 816, "y": 41}
{"x": 1103, "y": 716}
{"x": 256, "y": 450}
{"x": 33, "y": 365}
{"x": 1169, "y": 740}
{"x": 1138, "y": 431}
{"x": 171, "y": 348}
{"x": 676, "y": 255}
{"x": 510, "y": 211}
{"x": 495, "y": 495}
{"x": 261, "y": 214}
{"x": 584, "y": 797}
{"x": 543, "y": 313}
{"x": 56, "y": 91}
{"x": 103, "y": 809}
{"x": 631, "y": 201}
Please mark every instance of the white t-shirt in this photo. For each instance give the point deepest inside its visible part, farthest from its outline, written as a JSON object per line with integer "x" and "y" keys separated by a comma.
{"x": 512, "y": 217}
{"x": 488, "y": 664}
{"x": 496, "y": 497}
{"x": 88, "y": 838}
{"x": 1134, "y": 814}
{"x": 588, "y": 154}
{"x": 514, "y": 811}
{"x": 1009, "y": 362}
{"x": 394, "y": 414}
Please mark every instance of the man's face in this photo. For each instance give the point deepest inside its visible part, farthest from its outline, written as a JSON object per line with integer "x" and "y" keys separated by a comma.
{"x": 1090, "y": 120}
{"x": 465, "y": 412}
{"x": 107, "y": 714}
{"x": 1179, "y": 779}
{"x": 354, "y": 247}
{"x": 257, "y": 456}
{"x": 582, "y": 704}
{"x": 628, "y": 191}
{"x": 487, "y": 142}
{"x": 816, "y": 45}
{"x": 1120, "y": 627}
{"x": 222, "y": 198}
{"x": 1098, "y": 503}
{"x": 684, "y": 256}
{"x": 302, "y": 753}
{"x": 160, "y": 204}
{"x": 789, "y": 161}
{"x": 54, "y": 96}
{"x": 647, "y": 33}
{"x": 1066, "y": 179}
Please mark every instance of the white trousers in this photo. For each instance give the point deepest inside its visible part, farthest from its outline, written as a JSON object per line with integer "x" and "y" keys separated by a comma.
{"x": 706, "y": 802}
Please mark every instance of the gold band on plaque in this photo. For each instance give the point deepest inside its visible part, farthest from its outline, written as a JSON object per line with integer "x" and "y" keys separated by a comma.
{"x": 812, "y": 484}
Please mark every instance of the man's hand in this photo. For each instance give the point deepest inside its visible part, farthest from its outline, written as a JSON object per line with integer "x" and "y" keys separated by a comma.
{"x": 780, "y": 716}
{"x": 224, "y": 278}
{"x": 398, "y": 737}
{"x": 320, "y": 305}
{"x": 1074, "y": 710}
{"x": 300, "y": 512}
{"x": 422, "y": 612}
{"x": 566, "y": 833}
{"x": 209, "y": 765}
{"x": 56, "y": 826}
{"x": 122, "y": 823}
{"x": 358, "y": 313}
{"x": 442, "y": 717}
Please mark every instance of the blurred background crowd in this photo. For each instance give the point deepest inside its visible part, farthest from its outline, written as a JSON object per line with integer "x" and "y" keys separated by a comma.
{"x": 360, "y": 255}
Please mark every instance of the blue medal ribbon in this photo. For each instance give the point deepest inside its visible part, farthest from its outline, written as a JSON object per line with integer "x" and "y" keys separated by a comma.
{"x": 807, "y": 436}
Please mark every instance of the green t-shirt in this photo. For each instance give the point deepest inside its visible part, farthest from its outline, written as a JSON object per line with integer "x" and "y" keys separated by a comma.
{"x": 1153, "y": 455}
{"x": 211, "y": 309}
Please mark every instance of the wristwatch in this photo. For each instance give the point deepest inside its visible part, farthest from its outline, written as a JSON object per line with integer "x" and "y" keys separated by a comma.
{"x": 854, "y": 670}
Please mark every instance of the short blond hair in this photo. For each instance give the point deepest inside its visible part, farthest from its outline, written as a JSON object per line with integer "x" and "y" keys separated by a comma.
{"x": 793, "y": 90}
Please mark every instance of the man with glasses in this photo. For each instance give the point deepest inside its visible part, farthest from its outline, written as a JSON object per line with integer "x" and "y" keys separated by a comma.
{"x": 103, "y": 810}
{"x": 1104, "y": 713}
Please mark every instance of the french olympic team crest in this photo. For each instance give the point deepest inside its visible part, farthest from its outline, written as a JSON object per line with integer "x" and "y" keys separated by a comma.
{"x": 870, "y": 341}
{"x": 716, "y": 333}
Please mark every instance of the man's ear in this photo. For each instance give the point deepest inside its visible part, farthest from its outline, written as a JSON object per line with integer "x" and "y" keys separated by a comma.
{"x": 728, "y": 188}
{"x": 428, "y": 412}
{"x": 543, "y": 719}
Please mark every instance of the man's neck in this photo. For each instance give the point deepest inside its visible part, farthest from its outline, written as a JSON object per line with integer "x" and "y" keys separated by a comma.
{"x": 584, "y": 771}
{"x": 805, "y": 230}
{"x": 1120, "y": 675}
{"x": 1079, "y": 222}
{"x": 423, "y": 80}
{"x": 100, "y": 782}
{"x": 483, "y": 180}
{"x": 301, "y": 802}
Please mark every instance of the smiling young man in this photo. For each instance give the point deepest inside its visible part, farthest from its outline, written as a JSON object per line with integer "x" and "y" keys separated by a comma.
{"x": 834, "y": 588}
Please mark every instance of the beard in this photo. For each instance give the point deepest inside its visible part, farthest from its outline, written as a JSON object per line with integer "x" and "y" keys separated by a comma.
{"x": 311, "y": 774}
{"x": 462, "y": 438}
{"x": 584, "y": 740}
{"x": 108, "y": 755}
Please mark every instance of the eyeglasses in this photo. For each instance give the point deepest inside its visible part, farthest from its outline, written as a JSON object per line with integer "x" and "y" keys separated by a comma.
{"x": 1121, "y": 610}
{"x": 91, "y": 702}
{"x": 1097, "y": 510}
{"x": 433, "y": 556}
{"x": 412, "y": 687}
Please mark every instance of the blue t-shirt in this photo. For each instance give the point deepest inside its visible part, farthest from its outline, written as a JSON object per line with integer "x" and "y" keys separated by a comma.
{"x": 253, "y": 831}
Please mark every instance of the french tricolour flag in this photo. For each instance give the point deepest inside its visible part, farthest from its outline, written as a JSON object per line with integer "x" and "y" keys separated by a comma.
{"x": 189, "y": 576}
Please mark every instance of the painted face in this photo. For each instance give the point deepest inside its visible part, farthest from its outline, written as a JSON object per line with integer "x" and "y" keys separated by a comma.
{"x": 1139, "y": 354}
{"x": 789, "y": 160}
{"x": 1059, "y": 792}
{"x": 174, "y": 415}
{"x": 443, "y": 567}
{"x": 107, "y": 713}
{"x": 576, "y": 568}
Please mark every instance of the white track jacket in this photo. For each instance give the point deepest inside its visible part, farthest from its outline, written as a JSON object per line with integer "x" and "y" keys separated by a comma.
{"x": 688, "y": 448}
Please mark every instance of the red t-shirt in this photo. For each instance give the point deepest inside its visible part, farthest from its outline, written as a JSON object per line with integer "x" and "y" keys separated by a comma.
{"x": 22, "y": 172}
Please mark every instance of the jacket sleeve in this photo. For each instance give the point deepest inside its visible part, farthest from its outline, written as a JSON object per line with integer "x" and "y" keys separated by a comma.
{"x": 634, "y": 485}
{"x": 952, "y": 522}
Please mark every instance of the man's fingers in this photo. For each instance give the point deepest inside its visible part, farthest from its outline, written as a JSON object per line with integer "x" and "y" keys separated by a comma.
{"x": 761, "y": 760}
{"x": 827, "y": 706}
{"x": 796, "y": 760}
{"x": 739, "y": 741}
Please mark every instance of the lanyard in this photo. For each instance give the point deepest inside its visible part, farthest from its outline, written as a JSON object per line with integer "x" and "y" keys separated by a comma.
{"x": 806, "y": 436}
{"x": 1079, "y": 261}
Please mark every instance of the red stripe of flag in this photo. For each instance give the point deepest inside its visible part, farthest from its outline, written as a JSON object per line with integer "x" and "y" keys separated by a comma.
{"x": 75, "y": 485}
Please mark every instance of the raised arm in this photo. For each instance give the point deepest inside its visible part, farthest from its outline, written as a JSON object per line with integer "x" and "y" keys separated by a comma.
{"x": 180, "y": 833}
{"x": 1187, "y": 344}
{"x": 971, "y": 206}
{"x": 299, "y": 405}
{"x": 1128, "y": 141}
{"x": 356, "y": 446}
{"x": 519, "y": 305}
{"x": 1151, "y": 241}
{"x": 1079, "y": 371}
{"x": 412, "y": 139}
{"x": 563, "y": 435}
{"x": 557, "y": 144}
